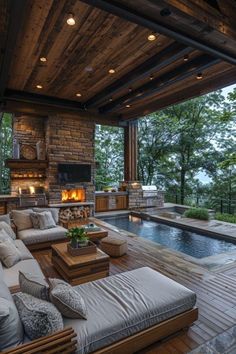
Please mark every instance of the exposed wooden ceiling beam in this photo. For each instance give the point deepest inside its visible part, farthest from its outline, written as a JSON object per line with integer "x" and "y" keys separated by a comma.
{"x": 203, "y": 87}
{"x": 15, "y": 20}
{"x": 182, "y": 72}
{"x": 22, "y": 96}
{"x": 158, "y": 61}
{"x": 126, "y": 13}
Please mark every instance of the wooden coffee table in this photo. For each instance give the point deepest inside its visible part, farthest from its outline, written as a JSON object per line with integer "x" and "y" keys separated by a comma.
{"x": 79, "y": 269}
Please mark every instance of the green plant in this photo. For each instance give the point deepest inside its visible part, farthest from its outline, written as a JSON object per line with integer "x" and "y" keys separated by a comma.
{"x": 197, "y": 213}
{"x": 226, "y": 217}
{"x": 77, "y": 235}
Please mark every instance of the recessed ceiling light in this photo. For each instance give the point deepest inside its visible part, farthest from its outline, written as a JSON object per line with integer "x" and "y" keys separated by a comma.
{"x": 130, "y": 89}
{"x": 186, "y": 57}
{"x": 151, "y": 77}
{"x": 152, "y": 37}
{"x": 43, "y": 59}
{"x": 110, "y": 99}
{"x": 199, "y": 76}
{"x": 112, "y": 71}
{"x": 128, "y": 106}
{"x": 78, "y": 94}
{"x": 39, "y": 86}
{"x": 89, "y": 69}
{"x": 70, "y": 20}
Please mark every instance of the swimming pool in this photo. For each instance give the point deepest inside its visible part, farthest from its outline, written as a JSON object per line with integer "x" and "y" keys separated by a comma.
{"x": 191, "y": 243}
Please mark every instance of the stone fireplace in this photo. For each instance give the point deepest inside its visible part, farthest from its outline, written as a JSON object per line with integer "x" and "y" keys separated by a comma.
{"x": 67, "y": 139}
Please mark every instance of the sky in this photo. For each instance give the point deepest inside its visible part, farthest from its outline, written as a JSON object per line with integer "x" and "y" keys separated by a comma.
{"x": 201, "y": 175}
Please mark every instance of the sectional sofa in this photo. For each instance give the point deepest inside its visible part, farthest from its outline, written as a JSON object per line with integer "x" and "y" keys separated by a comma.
{"x": 126, "y": 312}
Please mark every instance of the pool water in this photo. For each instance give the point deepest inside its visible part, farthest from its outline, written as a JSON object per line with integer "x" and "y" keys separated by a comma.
{"x": 188, "y": 242}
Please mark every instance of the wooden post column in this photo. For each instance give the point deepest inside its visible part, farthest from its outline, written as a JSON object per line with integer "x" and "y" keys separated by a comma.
{"x": 130, "y": 151}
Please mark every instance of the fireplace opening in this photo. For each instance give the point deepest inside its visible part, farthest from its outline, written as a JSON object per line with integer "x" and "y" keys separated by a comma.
{"x": 73, "y": 195}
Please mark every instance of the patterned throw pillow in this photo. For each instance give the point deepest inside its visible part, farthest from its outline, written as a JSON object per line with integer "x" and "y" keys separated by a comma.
{"x": 35, "y": 220}
{"x": 40, "y": 318}
{"x": 9, "y": 254}
{"x": 46, "y": 220}
{"x": 54, "y": 211}
{"x": 4, "y": 226}
{"x": 67, "y": 300}
{"x": 34, "y": 285}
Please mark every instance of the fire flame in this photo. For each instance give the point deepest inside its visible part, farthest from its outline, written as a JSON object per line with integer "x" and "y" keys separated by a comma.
{"x": 74, "y": 195}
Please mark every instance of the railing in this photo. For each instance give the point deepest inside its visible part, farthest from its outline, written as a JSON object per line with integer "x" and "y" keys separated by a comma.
{"x": 221, "y": 205}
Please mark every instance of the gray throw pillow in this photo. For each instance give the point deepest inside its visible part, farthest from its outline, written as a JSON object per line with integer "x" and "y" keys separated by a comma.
{"x": 40, "y": 318}
{"x": 54, "y": 211}
{"x": 11, "y": 331}
{"x": 35, "y": 220}
{"x": 46, "y": 220}
{"x": 9, "y": 254}
{"x": 4, "y": 236}
{"x": 5, "y": 226}
{"x": 6, "y": 218}
{"x": 21, "y": 219}
{"x": 68, "y": 301}
{"x": 34, "y": 285}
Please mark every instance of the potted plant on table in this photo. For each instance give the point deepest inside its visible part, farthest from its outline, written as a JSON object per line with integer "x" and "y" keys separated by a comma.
{"x": 78, "y": 237}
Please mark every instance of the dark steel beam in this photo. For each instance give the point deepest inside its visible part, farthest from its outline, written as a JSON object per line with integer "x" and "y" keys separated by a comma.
{"x": 158, "y": 61}
{"x": 126, "y": 13}
{"x": 16, "y": 10}
{"x": 180, "y": 73}
{"x": 27, "y": 97}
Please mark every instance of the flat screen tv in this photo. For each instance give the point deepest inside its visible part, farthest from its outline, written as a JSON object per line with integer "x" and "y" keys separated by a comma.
{"x": 73, "y": 173}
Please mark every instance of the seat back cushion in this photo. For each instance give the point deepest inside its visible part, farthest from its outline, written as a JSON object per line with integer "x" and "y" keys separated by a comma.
{"x": 9, "y": 254}
{"x": 7, "y": 228}
{"x": 54, "y": 211}
{"x": 22, "y": 219}
{"x": 11, "y": 329}
{"x": 6, "y": 218}
{"x": 40, "y": 318}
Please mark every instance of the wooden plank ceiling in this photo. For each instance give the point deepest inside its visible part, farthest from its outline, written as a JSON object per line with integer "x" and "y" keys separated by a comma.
{"x": 192, "y": 38}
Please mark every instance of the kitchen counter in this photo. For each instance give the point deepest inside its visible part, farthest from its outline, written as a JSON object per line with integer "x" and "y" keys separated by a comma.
{"x": 6, "y": 197}
{"x": 103, "y": 194}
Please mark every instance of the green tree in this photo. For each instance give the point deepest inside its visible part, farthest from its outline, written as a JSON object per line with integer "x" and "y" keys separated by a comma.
{"x": 183, "y": 140}
{"x": 5, "y": 150}
{"x": 109, "y": 155}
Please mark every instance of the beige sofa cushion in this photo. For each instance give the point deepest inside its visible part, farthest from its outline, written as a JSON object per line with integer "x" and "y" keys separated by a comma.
{"x": 121, "y": 305}
{"x": 6, "y": 218}
{"x": 11, "y": 275}
{"x": 32, "y": 236}
{"x": 22, "y": 219}
{"x": 7, "y": 228}
{"x": 11, "y": 330}
{"x": 9, "y": 254}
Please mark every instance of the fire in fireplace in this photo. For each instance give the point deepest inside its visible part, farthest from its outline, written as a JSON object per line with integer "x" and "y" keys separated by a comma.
{"x": 73, "y": 195}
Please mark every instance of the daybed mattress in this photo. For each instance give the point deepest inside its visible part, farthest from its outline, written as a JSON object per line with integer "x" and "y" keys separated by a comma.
{"x": 124, "y": 304}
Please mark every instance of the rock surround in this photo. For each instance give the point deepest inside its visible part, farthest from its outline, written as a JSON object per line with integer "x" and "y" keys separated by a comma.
{"x": 67, "y": 139}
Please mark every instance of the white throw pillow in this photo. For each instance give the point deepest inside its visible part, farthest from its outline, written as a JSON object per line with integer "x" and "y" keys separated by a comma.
{"x": 9, "y": 254}
{"x": 7, "y": 228}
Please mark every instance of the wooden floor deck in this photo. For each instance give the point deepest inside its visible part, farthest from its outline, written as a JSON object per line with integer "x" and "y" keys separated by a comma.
{"x": 216, "y": 292}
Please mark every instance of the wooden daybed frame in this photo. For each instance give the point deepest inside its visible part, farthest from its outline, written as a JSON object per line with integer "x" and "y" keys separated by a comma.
{"x": 64, "y": 342}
